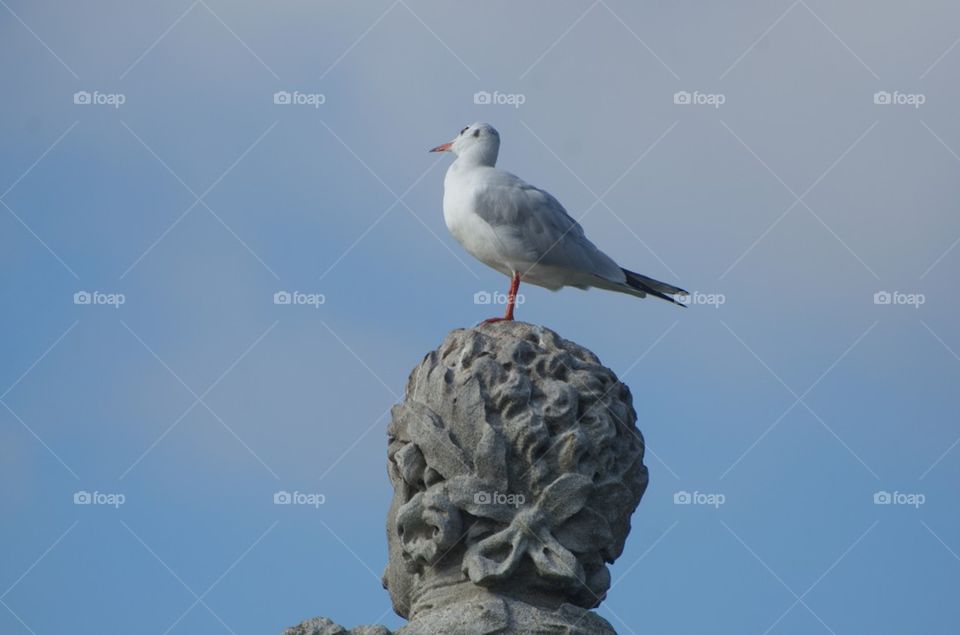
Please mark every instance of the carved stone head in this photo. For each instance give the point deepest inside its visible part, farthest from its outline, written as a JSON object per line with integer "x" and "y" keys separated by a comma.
{"x": 516, "y": 464}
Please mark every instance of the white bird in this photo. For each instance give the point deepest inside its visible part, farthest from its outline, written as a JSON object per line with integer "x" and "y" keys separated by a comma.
{"x": 523, "y": 231}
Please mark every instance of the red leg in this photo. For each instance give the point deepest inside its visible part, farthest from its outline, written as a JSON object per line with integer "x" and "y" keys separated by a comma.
{"x": 512, "y": 296}
{"x": 511, "y": 300}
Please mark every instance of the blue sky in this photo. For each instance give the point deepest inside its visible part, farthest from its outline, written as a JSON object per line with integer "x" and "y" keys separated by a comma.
{"x": 790, "y": 389}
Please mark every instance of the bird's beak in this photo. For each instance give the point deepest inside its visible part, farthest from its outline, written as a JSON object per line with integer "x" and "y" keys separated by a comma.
{"x": 444, "y": 147}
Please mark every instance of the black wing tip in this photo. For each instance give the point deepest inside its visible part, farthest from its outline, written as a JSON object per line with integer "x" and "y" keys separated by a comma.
{"x": 657, "y": 294}
{"x": 664, "y": 296}
{"x": 655, "y": 288}
{"x": 681, "y": 292}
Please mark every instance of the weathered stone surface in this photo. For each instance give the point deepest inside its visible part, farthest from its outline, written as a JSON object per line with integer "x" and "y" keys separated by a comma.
{"x": 516, "y": 465}
{"x": 323, "y": 626}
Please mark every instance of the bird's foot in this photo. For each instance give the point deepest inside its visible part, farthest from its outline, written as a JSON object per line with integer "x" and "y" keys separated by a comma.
{"x": 497, "y": 319}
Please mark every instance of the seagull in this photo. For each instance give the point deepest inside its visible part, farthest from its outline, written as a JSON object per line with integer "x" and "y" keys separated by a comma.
{"x": 522, "y": 231}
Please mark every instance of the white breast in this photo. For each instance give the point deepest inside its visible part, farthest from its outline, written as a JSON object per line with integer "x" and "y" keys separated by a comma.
{"x": 470, "y": 230}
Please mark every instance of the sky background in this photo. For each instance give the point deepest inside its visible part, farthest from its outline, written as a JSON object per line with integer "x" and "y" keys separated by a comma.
{"x": 796, "y": 399}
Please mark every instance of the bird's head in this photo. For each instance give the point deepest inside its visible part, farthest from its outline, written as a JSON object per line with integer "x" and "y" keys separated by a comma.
{"x": 477, "y": 143}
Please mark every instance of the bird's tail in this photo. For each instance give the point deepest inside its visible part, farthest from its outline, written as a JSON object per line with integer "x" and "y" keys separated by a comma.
{"x": 649, "y": 286}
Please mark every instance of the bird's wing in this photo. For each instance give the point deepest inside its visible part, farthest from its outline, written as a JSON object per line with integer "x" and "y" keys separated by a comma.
{"x": 531, "y": 224}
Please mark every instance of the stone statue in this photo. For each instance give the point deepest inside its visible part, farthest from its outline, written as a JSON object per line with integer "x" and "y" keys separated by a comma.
{"x": 516, "y": 464}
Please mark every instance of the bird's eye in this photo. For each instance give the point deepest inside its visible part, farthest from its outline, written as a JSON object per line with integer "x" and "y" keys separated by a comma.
{"x": 476, "y": 133}
{"x": 465, "y": 129}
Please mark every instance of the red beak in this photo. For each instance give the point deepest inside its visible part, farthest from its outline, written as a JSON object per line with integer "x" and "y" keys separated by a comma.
{"x": 444, "y": 147}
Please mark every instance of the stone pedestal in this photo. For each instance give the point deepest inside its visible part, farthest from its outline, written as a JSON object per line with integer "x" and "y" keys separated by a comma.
{"x": 516, "y": 463}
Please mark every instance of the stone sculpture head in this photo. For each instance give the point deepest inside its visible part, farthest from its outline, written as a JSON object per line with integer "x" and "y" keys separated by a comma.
{"x": 516, "y": 464}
